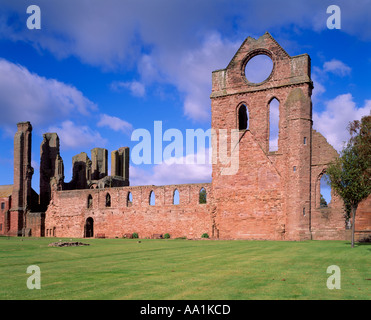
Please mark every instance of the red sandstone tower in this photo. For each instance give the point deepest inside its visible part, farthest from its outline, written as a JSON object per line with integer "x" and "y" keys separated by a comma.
{"x": 22, "y": 191}
{"x": 269, "y": 196}
{"x": 51, "y": 168}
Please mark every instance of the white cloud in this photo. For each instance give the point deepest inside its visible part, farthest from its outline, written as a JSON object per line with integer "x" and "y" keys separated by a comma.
{"x": 190, "y": 71}
{"x": 26, "y": 96}
{"x": 77, "y": 137}
{"x": 178, "y": 172}
{"x": 333, "y": 121}
{"x": 35, "y": 165}
{"x": 113, "y": 34}
{"x": 136, "y": 88}
{"x": 318, "y": 87}
{"x": 319, "y": 76}
{"x": 165, "y": 40}
{"x": 114, "y": 123}
{"x": 337, "y": 67}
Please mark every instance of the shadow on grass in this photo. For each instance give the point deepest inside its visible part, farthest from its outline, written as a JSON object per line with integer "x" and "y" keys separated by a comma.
{"x": 358, "y": 244}
{"x": 364, "y": 243}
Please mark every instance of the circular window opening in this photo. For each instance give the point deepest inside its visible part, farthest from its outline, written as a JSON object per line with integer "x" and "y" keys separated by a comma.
{"x": 258, "y": 68}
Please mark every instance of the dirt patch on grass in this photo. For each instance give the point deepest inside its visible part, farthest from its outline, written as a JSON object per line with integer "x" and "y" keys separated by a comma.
{"x": 67, "y": 244}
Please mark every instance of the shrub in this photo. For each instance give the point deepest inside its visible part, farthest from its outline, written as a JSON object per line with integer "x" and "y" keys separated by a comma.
{"x": 166, "y": 236}
{"x": 205, "y": 235}
{"x": 135, "y": 235}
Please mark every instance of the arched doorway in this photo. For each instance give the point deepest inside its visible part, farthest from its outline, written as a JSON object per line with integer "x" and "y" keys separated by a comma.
{"x": 89, "y": 228}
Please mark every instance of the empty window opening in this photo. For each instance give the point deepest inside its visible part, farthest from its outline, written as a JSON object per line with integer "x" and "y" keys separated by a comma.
{"x": 108, "y": 200}
{"x": 202, "y": 196}
{"x": 129, "y": 200}
{"x": 152, "y": 198}
{"x": 2, "y": 205}
{"x": 274, "y": 116}
{"x": 304, "y": 212}
{"x": 325, "y": 191}
{"x": 243, "y": 119}
{"x": 294, "y": 168}
{"x": 90, "y": 201}
{"x": 305, "y": 140}
{"x": 258, "y": 68}
{"x": 176, "y": 197}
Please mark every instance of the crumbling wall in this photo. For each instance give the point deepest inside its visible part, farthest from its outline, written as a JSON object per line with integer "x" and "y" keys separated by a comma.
{"x": 271, "y": 195}
{"x": 120, "y": 163}
{"x": 266, "y": 198}
{"x": 69, "y": 210}
{"x": 5, "y": 205}
{"x": 51, "y": 167}
{"x": 363, "y": 220}
{"x": 93, "y": 174}
{"x": 99, "y": 158}
{"x": 35, "y": 224}
{"x": 22, "y": 197}
{"x": 327, "y": 223}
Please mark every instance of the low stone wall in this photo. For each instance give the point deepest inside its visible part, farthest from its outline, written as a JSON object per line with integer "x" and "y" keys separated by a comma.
{"x": 69, "y": 211}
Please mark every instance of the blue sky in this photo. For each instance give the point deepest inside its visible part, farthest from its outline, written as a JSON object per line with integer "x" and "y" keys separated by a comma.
{"x": 97, "y": 70}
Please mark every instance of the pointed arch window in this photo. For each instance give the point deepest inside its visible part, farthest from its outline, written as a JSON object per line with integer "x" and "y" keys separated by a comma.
{"x": 325, "y": 191}
{"x": 202, "y": 196}
{"x": 176, "y": 197}
{"x": 129, "y": 199}
{"x": 108, "y": 200}
{"x": 90, "y": 201}
{"x": 274, "y": 116}
{"x": 243, "y": 118}
{"x": 152, "y": 198}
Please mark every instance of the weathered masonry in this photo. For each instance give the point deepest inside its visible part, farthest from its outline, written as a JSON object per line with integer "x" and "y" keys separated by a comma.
{"x": 115, "y": 212}
{"x": 274, "y": 195}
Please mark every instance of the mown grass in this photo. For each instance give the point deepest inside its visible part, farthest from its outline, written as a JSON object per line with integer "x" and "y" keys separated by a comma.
{"x": 183, "y": 269}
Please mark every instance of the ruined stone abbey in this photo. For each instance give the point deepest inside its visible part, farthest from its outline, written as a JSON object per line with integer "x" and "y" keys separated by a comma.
{"x": 274, "y": 195}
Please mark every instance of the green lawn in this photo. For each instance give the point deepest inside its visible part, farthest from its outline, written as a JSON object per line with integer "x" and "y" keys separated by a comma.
{"x": 184, "y": 269}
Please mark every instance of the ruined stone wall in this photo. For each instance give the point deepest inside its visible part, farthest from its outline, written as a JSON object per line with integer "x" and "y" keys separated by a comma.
{"x": 49, "y": 166}
{"x": 272, "y": 195}
{"x": 363, "y": 220}
{"x": 35, "y": 224}
{"x": 5, "y": 203}
{"x": 120, "y": 163}
{"x": 68, "y": 212}
{"x": 268, "y": 195}
{"x": 22, "y": 196}
{"x": 327, "y": 223}
{"x": 249, "y": 203}
{"x": 99, "y": 158}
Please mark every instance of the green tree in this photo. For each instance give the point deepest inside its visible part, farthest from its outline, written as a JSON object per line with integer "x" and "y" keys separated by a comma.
{"x": 202, "y": 196}
{"x": 350, "y": 174}
{"x": 323, "y": 202}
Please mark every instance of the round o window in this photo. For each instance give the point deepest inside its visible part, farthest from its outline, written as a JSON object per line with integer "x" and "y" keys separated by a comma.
{"x": 258, "y": 68}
